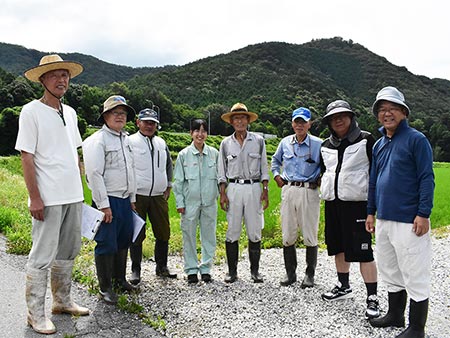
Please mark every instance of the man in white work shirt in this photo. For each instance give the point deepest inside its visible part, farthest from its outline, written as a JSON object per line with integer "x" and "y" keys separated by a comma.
{"x": 242, "y": 169}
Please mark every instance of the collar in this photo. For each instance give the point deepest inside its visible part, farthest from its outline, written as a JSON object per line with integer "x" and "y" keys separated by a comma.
{"x": 114, "y": 132}
{"x": 306, "y": 141}
{"x": 195, "y": 151}
{"x": 145, "y": 136}
{"x": 248, "y": 137}
{"x": 402, "y": 126}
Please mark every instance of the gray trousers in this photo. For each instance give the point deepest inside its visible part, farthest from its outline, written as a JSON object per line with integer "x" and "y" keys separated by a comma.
{"x": 58, "y": 236}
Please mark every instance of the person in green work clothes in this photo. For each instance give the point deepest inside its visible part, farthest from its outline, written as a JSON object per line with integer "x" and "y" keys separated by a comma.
{"x": 196, "y": 191}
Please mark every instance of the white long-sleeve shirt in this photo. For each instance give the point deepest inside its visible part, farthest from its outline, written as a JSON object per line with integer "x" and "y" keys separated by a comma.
{"x": 109, "y": 166}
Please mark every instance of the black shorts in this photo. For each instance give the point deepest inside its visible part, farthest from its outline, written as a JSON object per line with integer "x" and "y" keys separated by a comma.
{"x": 345, "y": 230}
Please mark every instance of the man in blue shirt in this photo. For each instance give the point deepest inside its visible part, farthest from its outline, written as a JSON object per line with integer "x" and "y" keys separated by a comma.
{"x": 401, "y": 189}
{"x": 299, "y": 155}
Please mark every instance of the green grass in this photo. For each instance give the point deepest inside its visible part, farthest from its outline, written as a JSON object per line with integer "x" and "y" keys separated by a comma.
{"x": 15, "y": 220}
{"x": 441, "y": 209}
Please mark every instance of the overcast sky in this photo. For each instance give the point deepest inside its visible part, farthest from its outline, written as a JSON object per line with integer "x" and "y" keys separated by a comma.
{"x": 413, "y": 33}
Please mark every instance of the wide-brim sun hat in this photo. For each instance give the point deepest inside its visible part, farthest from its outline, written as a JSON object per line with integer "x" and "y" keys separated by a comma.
{"x": 390, "y": 94}
{"x": 239, "y": 108}
{"x": 336, "y": 107}
{"x": 53, "y": 62}
{"x": 113, "y": 102}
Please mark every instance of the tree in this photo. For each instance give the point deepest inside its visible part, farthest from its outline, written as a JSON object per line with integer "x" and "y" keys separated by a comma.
{"x": 23, "y": 91}
{"x": 9, "y": 126}
{"x": 215, "y": 110}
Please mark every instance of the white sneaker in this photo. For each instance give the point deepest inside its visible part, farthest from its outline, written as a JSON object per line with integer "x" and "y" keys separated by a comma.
{"x": 337, "y": 293}
{"x": 373, "y": 307}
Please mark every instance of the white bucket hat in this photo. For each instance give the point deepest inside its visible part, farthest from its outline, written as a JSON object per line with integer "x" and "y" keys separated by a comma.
{"x": 390, "y": 94}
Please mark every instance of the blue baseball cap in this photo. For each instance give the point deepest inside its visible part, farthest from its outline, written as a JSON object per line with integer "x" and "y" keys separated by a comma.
{"x": 302, "y": 112}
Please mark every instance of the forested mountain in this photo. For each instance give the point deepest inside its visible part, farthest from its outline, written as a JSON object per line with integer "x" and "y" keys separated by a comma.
{"x": 16, "y": 59}
{"x": 270, "y": 78}
{"x": 312, "y": 74}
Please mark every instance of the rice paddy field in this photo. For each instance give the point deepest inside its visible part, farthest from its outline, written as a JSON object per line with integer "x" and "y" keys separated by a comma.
{"x": 16, "y": 225}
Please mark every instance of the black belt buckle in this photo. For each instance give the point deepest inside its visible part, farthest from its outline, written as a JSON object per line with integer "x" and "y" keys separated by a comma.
{"x": 242, "y": 181}
{"x": 309, "y": 185}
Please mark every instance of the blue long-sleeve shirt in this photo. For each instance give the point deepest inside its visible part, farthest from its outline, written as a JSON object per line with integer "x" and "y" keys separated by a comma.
{"x": 401, "y": 183}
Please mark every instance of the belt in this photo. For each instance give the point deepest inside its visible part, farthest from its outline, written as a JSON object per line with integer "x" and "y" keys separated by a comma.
{"x": 309, "y": 185}
{"x": 242, "y": 181}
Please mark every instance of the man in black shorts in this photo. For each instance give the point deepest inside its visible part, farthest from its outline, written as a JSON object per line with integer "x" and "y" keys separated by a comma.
{"x": 346, "y": 158}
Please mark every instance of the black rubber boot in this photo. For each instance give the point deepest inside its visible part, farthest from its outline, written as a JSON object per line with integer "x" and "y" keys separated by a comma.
{"x": 290, "y": 264}
{"x": 232, "y": 250}
{"x": 254, "y": 254}
{"x": 418, "y": 313}
{"x": 311, "y": 263}
{"x": 119, "y": 271}
{"x": 396, "y": 312}
{"x": 136, "y": 259}
{"x": 161, "y": 253}
{"x": 104, "y": 266}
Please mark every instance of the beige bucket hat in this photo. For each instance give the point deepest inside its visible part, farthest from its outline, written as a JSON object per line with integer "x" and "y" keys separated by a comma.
{"x": 53, "y": 62}
{"x": 239, "y": 108}
{"x": 114, "y": 101}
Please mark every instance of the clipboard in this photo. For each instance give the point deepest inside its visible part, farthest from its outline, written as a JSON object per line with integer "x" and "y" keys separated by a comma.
{"x": 91, "y": 219}
{"x": 138, "y": 223}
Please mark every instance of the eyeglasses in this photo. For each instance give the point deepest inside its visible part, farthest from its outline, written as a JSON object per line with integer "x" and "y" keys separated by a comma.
{"x": 300, "y": 121}
{"x": 384, "y": 110}
{"x": 339, "y": 116}
{"x": 119, "y": 113}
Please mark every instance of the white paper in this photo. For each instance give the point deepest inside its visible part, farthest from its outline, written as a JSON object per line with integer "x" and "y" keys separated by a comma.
{"x": 138, "y": 223}
{"x": 91, "y": 220}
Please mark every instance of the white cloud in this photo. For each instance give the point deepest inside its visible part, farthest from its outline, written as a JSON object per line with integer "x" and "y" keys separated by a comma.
{"x": 413, "y": 34}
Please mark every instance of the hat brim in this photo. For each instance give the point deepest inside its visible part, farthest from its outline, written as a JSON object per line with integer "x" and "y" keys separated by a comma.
{"x": 251, "y": 116}
{"x": 306, "y": 119}
{"x": 73, "y": 67}
{"x": 149, "y": 119}
{"x": 337, "y": 110}
{"x": 130, "y": 116}
{"x": 389, "y": 99}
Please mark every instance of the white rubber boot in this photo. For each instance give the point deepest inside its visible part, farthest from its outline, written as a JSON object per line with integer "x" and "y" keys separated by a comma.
{"x": 35, "y": 290}
{"x": 61, "y": 283}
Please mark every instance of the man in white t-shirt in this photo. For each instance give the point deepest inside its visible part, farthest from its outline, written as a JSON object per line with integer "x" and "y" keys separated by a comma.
{"x": 48, "y": 139}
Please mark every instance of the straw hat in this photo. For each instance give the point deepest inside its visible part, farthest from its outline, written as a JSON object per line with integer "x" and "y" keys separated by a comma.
{"x": 239, "y": 108}
{"x": 53, "y": 62}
